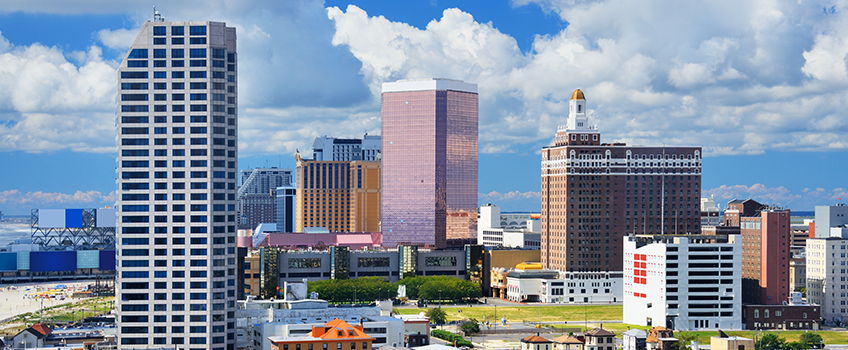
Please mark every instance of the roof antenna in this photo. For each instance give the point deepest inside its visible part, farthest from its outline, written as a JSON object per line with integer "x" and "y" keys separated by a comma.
{"x": 157, "y": 17}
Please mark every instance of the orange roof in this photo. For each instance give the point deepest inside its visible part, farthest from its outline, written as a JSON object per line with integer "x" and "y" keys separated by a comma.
{"x": 567, "y": 339}
{"x": 339, "y": 329}
{"x": 652, "y": 339}
{"x": 41, "y": 328}
{"x": 534, "y": 339}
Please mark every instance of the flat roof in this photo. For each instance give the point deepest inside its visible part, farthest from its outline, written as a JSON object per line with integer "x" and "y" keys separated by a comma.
{"x": 429, "y": 84}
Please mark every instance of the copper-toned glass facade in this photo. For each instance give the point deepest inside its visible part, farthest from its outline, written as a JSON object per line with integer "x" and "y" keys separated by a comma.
{"x": 429, "y": 178}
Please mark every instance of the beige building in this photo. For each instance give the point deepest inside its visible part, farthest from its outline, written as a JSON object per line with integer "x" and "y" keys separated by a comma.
{"x": 731, "y": 343}
{"x": 340, "y": 196}
{"x": 364, "y": 196}
{"x": 535, "y": 342}
{"x": 567, "y": 342}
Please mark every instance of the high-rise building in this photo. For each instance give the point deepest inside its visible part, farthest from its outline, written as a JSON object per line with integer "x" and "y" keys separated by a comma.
{"x": 827, "y": 277}
{"x": 340, "y": 196}
{"x": 338, "y": 149}
{"x": 765, "y": 259}
{"x": 593, "y": 194}
{"x": 429, "y": 162}
{"x": 177, "y": 160}
{"x": 286, "y": 208}
{"x": 256, "y": 195}
{"x": 828, "y": 216}
{"x": 683, "y": 282}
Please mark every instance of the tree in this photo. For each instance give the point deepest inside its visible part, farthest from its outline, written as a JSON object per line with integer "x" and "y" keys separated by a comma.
{"x": 470, "y": 326}
{"x": 811, "y": 340}
{"x": 684, "y": 341}
{"x": 437, "y": 316}
{"x": 353, "y": 290}
{"x": 770, "y": 342}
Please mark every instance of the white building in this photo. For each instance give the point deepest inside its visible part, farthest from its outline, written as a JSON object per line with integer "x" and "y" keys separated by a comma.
{"x": 338, "y": 149}
{"x": 502, "y": 230}
{"x": 177, "y": 165}
{"x": 683, "y": 282}
{"x": 828, "y": 216}
{"x": 710, "y": 212}
{"x": 827, "y": 277}
{"x": 548, "y": 286}
{"x": 259, "y": 319}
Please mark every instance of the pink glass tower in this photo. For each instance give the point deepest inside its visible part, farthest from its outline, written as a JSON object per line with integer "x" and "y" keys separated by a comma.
{"x": 429, "y": 156}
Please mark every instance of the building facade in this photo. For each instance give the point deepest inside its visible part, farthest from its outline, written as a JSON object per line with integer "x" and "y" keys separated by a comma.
{"x": 177, "y": 154}
{"x": 827, "y": 277}
{"x": 257, "y": 195}
{"x": 828, "y": 216}
{"x": 429, "y": 179}
{"x": 341, "y": 196}
{"x": 683, "y": 282}
{"x": 765, "y": 257}
{"x": 286, "y": 208}
{"x": 337, "y": 149}
{"x": 594, "y": 193}
{"x": 494, "y": 230}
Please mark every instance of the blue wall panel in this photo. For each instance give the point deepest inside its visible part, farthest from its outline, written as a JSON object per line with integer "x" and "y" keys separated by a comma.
{"x": 53, "y": 261}
{"x": 73, "y": 218}
{"x": 107, "y": 260}
{"x": 9, "y": 261}
{"x": 88, "y": 259}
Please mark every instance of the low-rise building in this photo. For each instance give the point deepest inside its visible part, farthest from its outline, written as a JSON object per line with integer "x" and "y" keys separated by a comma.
{"x": 634, "y": 339}
{"x": 536, "y": 342}
{"x": 568, "y": 342}
{"x": 599, "y": 339}
{"x": 725, "y": 342}
{"x": 683, "y": 282}
{"x": 501, "y": 230}
{"x": 258, "y": 322}
{"x": 336, "y": 334}
{"x": 528, "y": 282}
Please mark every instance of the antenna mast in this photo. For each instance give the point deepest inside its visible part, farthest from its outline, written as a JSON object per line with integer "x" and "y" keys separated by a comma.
{"x": 157, "y": 17}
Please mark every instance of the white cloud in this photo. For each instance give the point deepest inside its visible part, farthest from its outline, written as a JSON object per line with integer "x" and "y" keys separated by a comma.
{"x": 803, "y": 200}
{"x": 733, "y": 77}
{"x": 499, "y": 196}
{"x": 119, "y": 39}
{"x": 17, "y": 197}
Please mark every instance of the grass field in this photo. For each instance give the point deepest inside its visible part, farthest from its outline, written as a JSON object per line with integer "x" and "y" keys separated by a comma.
{"x": 529, "y": 313}
{"x": 829, "y": 337}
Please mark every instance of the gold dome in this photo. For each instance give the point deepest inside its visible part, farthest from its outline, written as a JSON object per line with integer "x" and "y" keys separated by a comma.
{"x": 577, "y": 95}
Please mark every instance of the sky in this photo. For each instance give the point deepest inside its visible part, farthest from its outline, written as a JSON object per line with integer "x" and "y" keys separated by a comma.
{"x": 761, "y": 85}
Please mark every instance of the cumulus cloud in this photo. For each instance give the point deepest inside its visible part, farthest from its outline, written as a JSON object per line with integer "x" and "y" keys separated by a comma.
{"x": 735, "y": 78}
{"x": 495, "y": 195}
{"x": 10, "y": 198}
{"x": 804, "y": 199}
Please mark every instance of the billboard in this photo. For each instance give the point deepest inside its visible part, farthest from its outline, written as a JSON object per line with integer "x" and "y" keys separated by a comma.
{"x": 73, "y": 218}
{"x": 107, "y": 260}
{"x": 53, "y": 261}
{"x": 88, "y": 259}
{"x": 48, "y": 218}
{"x": 106, "y": 217}
{"x": 8, "y": 261}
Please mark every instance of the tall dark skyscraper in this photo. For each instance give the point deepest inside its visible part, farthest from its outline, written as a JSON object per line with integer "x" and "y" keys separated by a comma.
{"x": 429, "y": 178}
{"x": 176, "y": 230}
{"x": 594, "y": 194}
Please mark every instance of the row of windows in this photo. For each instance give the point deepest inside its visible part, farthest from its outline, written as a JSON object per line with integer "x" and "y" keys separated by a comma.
{"x": 176, "y": 119}
{"x": 174, "y": 74}
{"x": 180, "y": 64}
{"x": 179, "y": 30}
{"x": 178, "y": 142}
{"x": 177, "y": 274}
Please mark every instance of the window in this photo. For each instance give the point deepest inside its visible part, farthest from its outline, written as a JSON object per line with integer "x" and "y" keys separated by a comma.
{"x": 197, "y": 30}
{"x": 304, "y": 263}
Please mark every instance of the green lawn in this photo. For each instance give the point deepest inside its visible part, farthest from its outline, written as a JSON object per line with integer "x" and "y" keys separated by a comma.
{"x": 70, "y": 312}
{"x": 829, "y": 337}
{"x": 529, "y": 313}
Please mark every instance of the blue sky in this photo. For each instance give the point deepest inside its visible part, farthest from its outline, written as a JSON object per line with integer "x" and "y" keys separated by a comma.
{"x": 763, "y": 90}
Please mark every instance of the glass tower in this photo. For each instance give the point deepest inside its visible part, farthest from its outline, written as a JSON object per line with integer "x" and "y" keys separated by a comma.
{"x": 429, "y": 156}
{"x": 176, "y": 230}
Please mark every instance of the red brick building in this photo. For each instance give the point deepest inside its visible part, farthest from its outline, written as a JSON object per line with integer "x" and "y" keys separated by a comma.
{"x": 766, "y": 237}
{"x": 594, "y": 193}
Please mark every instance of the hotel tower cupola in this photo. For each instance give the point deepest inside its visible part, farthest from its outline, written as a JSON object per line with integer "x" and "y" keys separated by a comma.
{"x": 577, "y": 130}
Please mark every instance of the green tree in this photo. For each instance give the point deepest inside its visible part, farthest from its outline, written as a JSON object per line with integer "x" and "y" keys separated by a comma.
{"x": 684, "y": 341}
{"x": 470, "y": 326}
{"x": 811, "y": 340}
{"x": 452, "y": 289}
{"x": 437, "y": 316}
{"x": 363, "y": 289}
{"x": 770, "y": 342}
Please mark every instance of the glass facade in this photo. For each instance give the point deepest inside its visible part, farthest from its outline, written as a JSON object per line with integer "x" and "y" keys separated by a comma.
{"x": 429, "y": 179}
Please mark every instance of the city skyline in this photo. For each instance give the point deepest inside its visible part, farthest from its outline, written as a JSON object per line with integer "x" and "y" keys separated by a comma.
{"x": 754, "y": 146}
